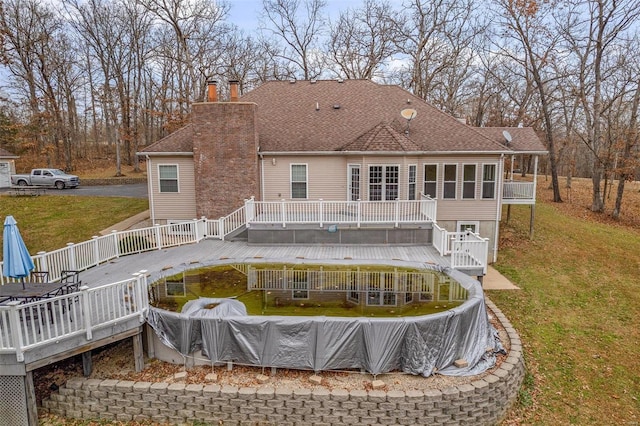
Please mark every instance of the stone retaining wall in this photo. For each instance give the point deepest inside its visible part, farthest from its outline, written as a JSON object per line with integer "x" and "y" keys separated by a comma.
{"x": 112, "y": 181}
{"x": 482, "y": 402}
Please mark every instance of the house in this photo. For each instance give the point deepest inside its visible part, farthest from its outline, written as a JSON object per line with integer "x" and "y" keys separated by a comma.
{"x": 350, "y": 141}
{"x": 7, "y": 167}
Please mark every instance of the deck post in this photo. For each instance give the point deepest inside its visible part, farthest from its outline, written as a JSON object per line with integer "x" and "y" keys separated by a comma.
{"x": 116, "y": 246}
{"x": 14, "y": 326}
{"x": 30, "y": 400}
{"x": 321, "y": 211}
{"x": 72, "y": 256}
{"x": 87, "y": 363}
{"x": 138, "y": 353}
{"x": 531, "y": 220}
{"x": 96, "y": 250}
{"x": 158, "y": 236}
{"x": 86, "y": 310}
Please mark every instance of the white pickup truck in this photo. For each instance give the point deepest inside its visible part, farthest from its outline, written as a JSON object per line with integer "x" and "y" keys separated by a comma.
{"x": 46, "y": 177}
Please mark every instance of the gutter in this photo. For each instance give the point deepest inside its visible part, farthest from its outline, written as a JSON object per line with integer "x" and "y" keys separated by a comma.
{"x": 382, "y": 153}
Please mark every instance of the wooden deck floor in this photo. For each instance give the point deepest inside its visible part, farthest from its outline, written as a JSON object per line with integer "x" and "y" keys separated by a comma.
{"x": 210, "y": 251}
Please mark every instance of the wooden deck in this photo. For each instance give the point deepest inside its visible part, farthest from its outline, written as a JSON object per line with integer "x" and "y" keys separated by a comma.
{"x": 207, "y": 252}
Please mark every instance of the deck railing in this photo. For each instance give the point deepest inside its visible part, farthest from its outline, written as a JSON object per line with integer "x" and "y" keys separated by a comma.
{"x": 29, "y": 325}
{"x": 518, "y": 193}
{"x": 468, "y": 250}
{"x": 323, "y": 212}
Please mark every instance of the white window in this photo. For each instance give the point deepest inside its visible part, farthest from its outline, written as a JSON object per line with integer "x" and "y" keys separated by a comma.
{"x": 450, "y": 181}
{"x": 168, "y": 177}
{"x": 413, "y": 171}
{"x": 489, "y": 181}
{"x": 298, "y": 181}
{"x": 464, "y": 226}
{"x": 383, "y": 183}
{"x": 469, "y": 181}
{"x": 354, "y": 182}
{"x": 431, "y": 180}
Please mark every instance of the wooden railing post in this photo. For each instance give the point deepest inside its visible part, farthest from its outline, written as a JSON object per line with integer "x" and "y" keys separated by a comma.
{"x": 158, "y": 236}
{"x": 86, "y": 310}
{"x": 321, "y": 211}
{"x": 358, "y": 212}
{"x": 42, "y": 261}
{"x": 15, "y": 331}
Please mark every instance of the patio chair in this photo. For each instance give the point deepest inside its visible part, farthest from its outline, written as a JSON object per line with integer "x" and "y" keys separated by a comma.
{"x": 39, "y": 276}
{"x": 69, "y": 276}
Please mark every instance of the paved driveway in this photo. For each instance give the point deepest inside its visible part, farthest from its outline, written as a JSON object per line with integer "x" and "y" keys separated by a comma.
{"x": 137, "y": 190}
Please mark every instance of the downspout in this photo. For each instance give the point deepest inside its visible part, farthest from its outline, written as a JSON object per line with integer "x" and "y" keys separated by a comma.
{"x": 261, "y": 176}
{"x": 498, "y": 208}
{"x": 150, "y": 189}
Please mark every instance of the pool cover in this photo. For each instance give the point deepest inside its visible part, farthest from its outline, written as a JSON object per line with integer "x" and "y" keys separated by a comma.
{"x": 421, "y": 345}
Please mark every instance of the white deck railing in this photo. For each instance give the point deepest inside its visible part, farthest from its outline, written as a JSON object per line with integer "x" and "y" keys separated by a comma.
{"x": 468, "y": 250}
{"x": 30, "y": 325}
{"x": 518, "y": 193}
{"x": 323, "y": 212}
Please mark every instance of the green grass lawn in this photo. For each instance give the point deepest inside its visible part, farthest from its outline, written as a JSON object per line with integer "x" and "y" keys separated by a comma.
{"x": 578, "y": 314}
{"x": 49, "y": 222}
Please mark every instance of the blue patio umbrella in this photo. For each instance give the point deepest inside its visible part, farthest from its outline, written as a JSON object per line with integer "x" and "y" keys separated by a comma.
{"x": 17, "y": 262}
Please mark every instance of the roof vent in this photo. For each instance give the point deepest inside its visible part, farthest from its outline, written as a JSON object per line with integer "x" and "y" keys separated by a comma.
{"x": 340, "y": 80}
{"x": 292, "y": 80}
{"x": 314, "y": 81}
{"x": 336, "y": 106}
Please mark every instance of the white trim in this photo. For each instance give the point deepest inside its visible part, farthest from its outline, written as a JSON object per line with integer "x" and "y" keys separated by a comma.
{"x": 475, "y": 182}
{"x": 444, "y": 174}
{"x": 383, "y": 188}
{"x": 306, "y": 180}
{"x": 424, "y": 179}
{"x": 495, "y": 181}
{"x": 177, "y": 166}
{"x": 475, "y": 223}
{"x": 415, "y": 181}
{"x": 350, "y": 167}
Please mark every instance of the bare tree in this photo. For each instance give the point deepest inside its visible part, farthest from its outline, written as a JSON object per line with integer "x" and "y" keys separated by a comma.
{"x": 438, "y": 37}
{"x": 299, "y": 25}
{"x": 592, "y": 30}
{"x": 362, "y": 40}
{"x": 528, "y": 24}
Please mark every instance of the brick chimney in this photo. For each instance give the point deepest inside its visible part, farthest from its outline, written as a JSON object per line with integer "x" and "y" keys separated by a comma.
{"x": 212, "y": 90}
{"x": 233, "y": 90}
{"x": 225, "y": 155}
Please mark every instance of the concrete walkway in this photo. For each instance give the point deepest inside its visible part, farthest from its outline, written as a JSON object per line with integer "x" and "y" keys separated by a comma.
{"x": 494, "y": 280}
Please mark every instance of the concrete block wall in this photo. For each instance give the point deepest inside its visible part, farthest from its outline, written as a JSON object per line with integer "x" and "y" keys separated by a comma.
{"x": 482, "y": 402}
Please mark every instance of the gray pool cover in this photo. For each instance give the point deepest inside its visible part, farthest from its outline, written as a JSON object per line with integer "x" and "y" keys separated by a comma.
{"x": 421, "y": 345}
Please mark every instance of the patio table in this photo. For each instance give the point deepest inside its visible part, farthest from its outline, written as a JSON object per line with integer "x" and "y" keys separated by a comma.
{"x": 31, "y": 291}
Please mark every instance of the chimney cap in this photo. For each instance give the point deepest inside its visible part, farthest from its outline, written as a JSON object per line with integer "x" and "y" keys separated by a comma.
{"x": 212, "y": 80}
{"x": 234, "y": 81}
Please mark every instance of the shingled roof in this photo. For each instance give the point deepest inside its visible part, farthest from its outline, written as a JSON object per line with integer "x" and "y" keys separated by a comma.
{"x": 356, "y": 116}
{"x": 523, "y": 139}
{"x": 178, "y": 142}
{"x": 6, "y": 154}
{"x": 331, "y": 115}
